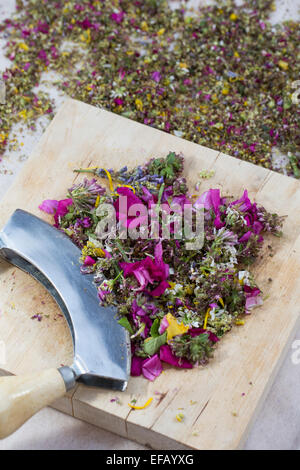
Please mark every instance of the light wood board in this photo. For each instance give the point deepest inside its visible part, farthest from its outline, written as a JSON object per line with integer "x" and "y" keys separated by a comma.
{"x": 218, "y": 401}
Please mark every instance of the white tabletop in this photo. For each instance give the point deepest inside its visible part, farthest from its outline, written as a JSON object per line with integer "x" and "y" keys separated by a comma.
{"x": 277, "y": 425}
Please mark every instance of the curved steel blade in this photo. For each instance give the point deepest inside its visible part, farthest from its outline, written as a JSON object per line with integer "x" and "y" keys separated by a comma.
{"x": 101, "y": 345}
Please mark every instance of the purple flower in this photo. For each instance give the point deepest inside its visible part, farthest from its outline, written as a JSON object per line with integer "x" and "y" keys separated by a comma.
{"x": 245, "y": 237}
{"x": 85, "y": 24}
{"x": 62, "y": 210}
{"x": 163, "y": 325}
{"x": 85, "y": 222}
{"x": 209, "y": 200}
{"x": 43, "y": 56}
{"x": 25, "y": 33}
{"x": 156, "y": 76}
{"x": 136, "y": 366}
{"x": 250, "y": 215}
{"x": 199, "y": 331}
{"x": 218, "y": 223}
{"x": 119, "y": 101}
{"x": 160, "y": 289}
{"x": 253, "y": 298}
{"x": 166, "y": 355}
{"x": 139, "y": 317}
{"x": 54, "y": 52}
{"x": 103, "y": 291}
{"x": 148, "y": 271}
{"x": 244, "y": 202}
{"x": 148, "y": 197}
{"x": 181, "y": 200}
{"x": 89, "y": 261}
{"x": 122, "y": 212}
{"x": 49, "y": 206}
{"x": 43, "y": 27}
{"x": 152, "y": 367}
{"x": 118, "y": 17}
{"x": 58, "y": 208}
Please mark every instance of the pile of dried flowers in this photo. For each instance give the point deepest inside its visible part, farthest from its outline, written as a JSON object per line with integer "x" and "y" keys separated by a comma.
{"x": 176, "y": 302}
{"x": 222, "y": 77}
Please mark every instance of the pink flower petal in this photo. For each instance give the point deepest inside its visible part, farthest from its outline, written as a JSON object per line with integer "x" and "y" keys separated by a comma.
{"x": 89, "y": 261}
{"x": 156, "y": 76}
{"x": 166, "y": 355}
{"x": 199, "y": 331}
{"x": 152, "y": 367}
{"x": 62, "y": 209}
{"x": 210, "y": 200}
{"x": 160, "y": 289}
{"x": 163, "y": 325}
{"x": 49, "y": 206}
{"x": 136, "y": 366}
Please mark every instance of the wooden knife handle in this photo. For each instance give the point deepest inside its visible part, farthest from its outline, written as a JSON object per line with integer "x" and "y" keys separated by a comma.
{"x": 22, "y": 396}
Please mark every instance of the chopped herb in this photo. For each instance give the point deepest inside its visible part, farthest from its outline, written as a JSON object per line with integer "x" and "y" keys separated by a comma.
{"x": 176, "y": 302}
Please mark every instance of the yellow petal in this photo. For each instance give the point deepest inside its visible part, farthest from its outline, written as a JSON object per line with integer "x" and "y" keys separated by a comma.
{"x": 206, "y": 318}
{"x": 111, "y": 186}
{"x": 24, "y": 46}
{"x": 283, "y": 65}
{"x": 139, "y": 104}
{"x": 144, "y": 26}
{"x": 174, "y": 327}
{"x": 141, "y": 407}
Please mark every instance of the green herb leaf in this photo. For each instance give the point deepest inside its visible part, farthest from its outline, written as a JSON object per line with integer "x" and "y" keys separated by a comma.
{"x": 125, "y": 323}
{"x": 153, "y": 344}
{"x": 154, "y": 328}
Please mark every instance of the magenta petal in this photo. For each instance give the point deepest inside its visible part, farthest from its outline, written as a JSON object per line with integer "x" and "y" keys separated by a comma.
{"x": 102, "y": 294}
{"x": 210, "y": 200}
{"x": 245, "y": 237}
{"x": 159, "y": 290}
{"x": 166, "y": 355}
{"x": 49, "y": 206}
{"x": 147, "y": 196}
{"x": 163, "y": 325}
{"x": 181, "y": 201}
{"x": 156, "y": 76}
{"x": 253, "y": 298}
{"x": 218, "y": 223}
{"x": 62, "y": 209}
{"x": 251, "y": 291}
{"x": 131, "y": 199}
{"x": 152, "y": 367}
{"x": 136, "y": 366}
{"x": 118, "y": 17}
{"x": 244, "y": 201}
{"x": 199, "y": 331}
{"x": 257, "y": 227}
{"x": 147, "y": 271}
{"x": 130, "y": 195}
{"x": 252, "y": 302}
{"x": 89, "y": 261}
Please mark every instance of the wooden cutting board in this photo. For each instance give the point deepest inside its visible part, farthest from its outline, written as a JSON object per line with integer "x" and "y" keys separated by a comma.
{"x": 219, "y": 401}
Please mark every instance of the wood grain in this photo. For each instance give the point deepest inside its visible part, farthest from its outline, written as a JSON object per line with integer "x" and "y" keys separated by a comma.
{"x": 218, "y": 401}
